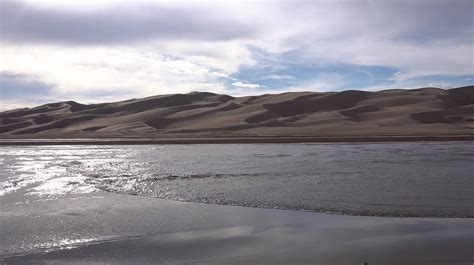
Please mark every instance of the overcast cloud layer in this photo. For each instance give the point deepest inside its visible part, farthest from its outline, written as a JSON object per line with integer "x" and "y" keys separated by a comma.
{"x": 102, "y": 51}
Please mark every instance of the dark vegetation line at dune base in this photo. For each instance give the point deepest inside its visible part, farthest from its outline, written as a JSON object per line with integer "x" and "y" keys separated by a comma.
{"x": 202, "y": 117}
{"x": 230, "y": 140}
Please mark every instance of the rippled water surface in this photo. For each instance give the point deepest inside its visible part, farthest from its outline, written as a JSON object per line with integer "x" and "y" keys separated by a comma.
{"x": 395, "y": 179}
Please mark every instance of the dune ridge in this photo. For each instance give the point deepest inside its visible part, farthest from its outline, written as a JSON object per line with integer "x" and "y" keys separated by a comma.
{"x": 423, "y": 111}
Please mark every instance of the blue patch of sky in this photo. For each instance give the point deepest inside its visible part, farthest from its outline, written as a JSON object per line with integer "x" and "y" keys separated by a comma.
{"x": 286, "y": 70}
{"x": 14, "y": 86}
{"x": 280, "y": 71}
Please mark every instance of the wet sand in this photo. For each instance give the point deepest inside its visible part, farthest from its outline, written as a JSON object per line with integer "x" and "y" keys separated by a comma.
{"x": 104, "y": 227}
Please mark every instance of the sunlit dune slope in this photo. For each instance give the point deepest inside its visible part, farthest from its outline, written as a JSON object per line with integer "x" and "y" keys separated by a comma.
{"x": 424, "y": 111}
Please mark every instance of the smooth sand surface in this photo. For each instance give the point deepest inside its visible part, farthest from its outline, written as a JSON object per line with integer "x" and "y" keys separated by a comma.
{"x": 419, "y": 112}
{"x": 109, "y": 228}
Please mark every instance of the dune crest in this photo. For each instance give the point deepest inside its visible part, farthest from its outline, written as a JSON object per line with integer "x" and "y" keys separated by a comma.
{"x": 424, "y": 111}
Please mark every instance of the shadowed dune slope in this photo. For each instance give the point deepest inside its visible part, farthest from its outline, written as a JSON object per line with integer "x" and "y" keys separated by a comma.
{"x": 424, "y": 111}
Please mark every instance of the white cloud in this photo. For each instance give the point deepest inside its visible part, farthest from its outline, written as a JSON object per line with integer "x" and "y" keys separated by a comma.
{"x": 212, "y": 43}
{"x": 323, "y": 82}
{"x": 276, "y": 77}
{"x": 246, "y": 85}
{"x": 76, "y": 71}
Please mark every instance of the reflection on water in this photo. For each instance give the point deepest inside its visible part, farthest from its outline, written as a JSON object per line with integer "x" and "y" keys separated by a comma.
{"x": 407, "y": 179}
{"x": 355, "y": 242}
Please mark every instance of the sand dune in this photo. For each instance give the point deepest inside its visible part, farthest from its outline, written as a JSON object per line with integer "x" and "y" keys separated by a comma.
{"x": 424, "y": 111}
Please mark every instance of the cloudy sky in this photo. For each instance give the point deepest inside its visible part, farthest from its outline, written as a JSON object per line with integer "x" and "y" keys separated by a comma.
{"x": 93, "y": 51}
